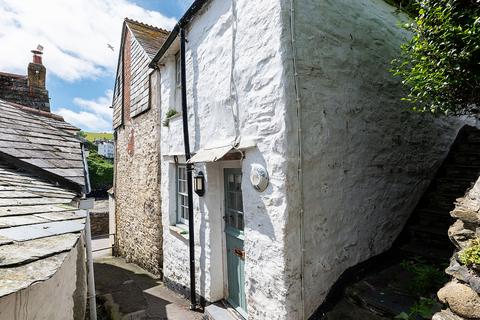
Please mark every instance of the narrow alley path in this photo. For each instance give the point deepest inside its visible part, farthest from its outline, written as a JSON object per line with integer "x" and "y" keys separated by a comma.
{"x": 129, "y": 292}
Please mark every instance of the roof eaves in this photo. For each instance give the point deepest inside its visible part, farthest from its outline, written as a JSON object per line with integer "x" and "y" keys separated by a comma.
{"x": 196, "y": 6}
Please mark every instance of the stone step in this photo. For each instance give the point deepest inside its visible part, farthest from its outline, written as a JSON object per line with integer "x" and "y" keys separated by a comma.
{"x": 220, "y": 311}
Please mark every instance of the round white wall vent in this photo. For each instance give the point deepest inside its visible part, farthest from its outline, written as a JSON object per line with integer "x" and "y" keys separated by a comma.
{"x": 259, "y": 177}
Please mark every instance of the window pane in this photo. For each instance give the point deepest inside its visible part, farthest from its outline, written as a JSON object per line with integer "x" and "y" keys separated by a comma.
{"x": 240, "y": 221}
{"x": 238, "y": 182}
{"x": 239, "y": 202}
{"x": 182, "y": 198}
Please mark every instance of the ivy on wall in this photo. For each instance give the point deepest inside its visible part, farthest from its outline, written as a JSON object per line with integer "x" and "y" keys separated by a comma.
{"x": 440, "y": 65}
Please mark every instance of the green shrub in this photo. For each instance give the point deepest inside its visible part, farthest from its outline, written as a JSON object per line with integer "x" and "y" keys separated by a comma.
{"x": 440, "y": 64}
{"x": 425, "y": 308}
{"x": 471, "y": 256}
{"x": 100, "y": 170}
{"x": 427, "y": 278}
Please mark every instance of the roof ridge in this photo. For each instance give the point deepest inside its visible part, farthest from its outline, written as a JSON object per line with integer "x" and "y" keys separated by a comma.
{"x": 36, "y": 111}
{"x": 146, "y": 25}
{"x": 13, "y": 75}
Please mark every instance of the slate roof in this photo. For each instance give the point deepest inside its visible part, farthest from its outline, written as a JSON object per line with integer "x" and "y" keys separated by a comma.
{"x": 150, "y": 38}
{"x": 38, "y": 227}
{"x": 42, "y": 140}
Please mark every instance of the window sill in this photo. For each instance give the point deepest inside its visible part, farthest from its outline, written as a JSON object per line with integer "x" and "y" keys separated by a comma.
{"x": 180, "y": 229}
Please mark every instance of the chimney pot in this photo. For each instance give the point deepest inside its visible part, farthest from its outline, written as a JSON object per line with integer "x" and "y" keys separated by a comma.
{"x": 37, "y": 56}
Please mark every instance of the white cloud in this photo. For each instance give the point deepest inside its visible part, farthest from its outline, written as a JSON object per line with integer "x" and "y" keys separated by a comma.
{"x": 94, "y": 115}
{"x": 74, "y": 33}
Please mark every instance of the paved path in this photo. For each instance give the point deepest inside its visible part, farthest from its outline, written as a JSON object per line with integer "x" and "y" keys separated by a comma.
{"x": 131, "y": 293}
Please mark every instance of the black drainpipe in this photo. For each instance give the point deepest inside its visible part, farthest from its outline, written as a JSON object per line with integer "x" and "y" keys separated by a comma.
{"x": 191, "y": 239}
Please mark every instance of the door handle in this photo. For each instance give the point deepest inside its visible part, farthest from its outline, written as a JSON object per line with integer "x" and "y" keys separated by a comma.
{"x": 240, "y": 253}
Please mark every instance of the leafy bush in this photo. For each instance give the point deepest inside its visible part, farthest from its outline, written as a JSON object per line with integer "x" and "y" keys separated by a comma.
{"x": 440, "y": 64}
{"x": 427, "y": 278}
{"x": 425, "y": 308}
{"x": 471, "y": 256}
{"x": 101, "y": 172}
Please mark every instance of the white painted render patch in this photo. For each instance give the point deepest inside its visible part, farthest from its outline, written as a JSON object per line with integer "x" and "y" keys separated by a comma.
{"x": 365, "y": 162}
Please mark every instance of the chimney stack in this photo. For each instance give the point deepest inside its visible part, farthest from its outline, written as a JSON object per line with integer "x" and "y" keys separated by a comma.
{"x": 37, "y": 71}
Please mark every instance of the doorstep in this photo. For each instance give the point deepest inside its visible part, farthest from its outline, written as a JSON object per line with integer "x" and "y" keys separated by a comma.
{"x": 219, "y": 311}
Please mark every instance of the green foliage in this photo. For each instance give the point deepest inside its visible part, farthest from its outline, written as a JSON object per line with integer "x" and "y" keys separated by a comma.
{"x": 100, "y": 170}
{"x": 170, "y": 113}
{"x": 92, "y": 136}
{"x": 440, "y": 64}
{"x": 427, "y": 278}
{"x": 408, "y": 6}
{"x": 471, "y": 256}
{"x": 425, "y": 308}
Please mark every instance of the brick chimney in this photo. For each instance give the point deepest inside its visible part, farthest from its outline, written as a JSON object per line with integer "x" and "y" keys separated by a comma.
{"x": 36, "y": 71}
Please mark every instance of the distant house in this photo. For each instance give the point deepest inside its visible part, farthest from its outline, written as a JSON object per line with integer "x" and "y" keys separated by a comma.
{"x": 136, "y": 121}
{"x": 106, "y": 149}
{"x": 42, "y": 177}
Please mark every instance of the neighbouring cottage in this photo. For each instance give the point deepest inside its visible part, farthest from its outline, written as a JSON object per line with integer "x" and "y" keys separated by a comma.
{"x": 42, "y": 178}
{"x": 311, "y": 162}
{"x": 136, "y": 121}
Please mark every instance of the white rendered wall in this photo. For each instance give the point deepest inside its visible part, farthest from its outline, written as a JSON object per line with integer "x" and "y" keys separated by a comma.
{"x": 235, "y": 87}
{"x": 61, "y": 297}
{"x": 366, "y": 159}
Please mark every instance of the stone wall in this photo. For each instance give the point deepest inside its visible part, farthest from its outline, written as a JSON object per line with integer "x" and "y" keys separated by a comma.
{"x": 137, "y": 189}
{"x": 366, "y": 159}
{"x": 461, "y": 295}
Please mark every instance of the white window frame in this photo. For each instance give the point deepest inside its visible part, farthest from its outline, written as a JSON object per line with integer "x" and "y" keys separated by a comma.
{"x": 181, "y": 195}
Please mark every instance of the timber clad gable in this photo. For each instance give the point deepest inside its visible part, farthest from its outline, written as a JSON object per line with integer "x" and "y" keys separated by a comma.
{"x": 132, "y": 88}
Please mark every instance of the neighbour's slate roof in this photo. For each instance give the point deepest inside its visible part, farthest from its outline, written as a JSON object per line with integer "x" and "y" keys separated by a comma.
{"x": 41, "y": 139}
{"x": 38, "y": 227}
{"x": 150, "y": 38}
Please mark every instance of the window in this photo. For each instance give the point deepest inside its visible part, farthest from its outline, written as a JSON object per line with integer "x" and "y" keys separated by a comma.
{"x": 182, "y": 195}
{"x": 178, "y": 70}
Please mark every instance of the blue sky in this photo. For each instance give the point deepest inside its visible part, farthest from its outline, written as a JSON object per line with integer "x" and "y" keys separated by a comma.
{"x": 80, "y": 66}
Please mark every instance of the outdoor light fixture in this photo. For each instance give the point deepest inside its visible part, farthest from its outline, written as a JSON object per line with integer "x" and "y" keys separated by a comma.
{"x": 199, "y": 184}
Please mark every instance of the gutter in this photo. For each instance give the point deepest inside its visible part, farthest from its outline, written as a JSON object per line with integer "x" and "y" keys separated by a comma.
{"x": 182, "y": 23}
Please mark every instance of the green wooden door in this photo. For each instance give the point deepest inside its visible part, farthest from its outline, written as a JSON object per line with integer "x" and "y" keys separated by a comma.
{"x": 234, "y": 235}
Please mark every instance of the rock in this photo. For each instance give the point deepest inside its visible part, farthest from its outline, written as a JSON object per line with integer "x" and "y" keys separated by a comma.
{"x": 464, "y": 274}
{"x": 461, "y": 299}
{"x": 460, "y": 234}
{"x": 466, "y": 214}
{"x": 446, "y": 315}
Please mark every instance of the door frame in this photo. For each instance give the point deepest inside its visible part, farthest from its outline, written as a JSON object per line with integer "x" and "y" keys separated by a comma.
{"x": 232, "y": 164}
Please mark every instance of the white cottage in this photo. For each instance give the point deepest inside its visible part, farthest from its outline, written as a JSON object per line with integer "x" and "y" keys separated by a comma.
{"x": 311, "y": 163}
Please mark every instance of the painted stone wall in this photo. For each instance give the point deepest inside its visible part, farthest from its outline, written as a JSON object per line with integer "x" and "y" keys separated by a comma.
{"x": 63, "y": 296}
{"x": 366, "y": 160}
{"x": 137, "y": 188}
{"x": 235, "y": 89}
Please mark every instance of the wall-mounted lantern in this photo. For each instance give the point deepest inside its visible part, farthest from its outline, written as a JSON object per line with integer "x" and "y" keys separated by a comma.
{"x": 199, "y": 184}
